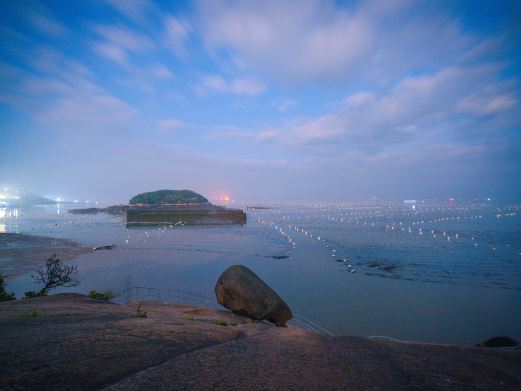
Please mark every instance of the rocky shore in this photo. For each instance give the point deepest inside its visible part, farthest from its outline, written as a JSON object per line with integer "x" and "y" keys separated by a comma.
{"x": 70, "y": 341}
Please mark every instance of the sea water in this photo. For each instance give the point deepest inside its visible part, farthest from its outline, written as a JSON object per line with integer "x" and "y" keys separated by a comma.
{"x": 424, "y": 272}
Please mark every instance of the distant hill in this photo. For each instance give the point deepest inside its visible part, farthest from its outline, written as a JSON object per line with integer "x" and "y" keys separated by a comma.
{"x": 20, "y": 198}
{"x": 168, "y": 197}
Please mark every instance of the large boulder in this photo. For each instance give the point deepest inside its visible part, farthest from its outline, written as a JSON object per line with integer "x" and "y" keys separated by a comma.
{"x": 243, "y": 292}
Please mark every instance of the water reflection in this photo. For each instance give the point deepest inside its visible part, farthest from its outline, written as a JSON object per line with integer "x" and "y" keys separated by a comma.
{"x": 7, "y": 213}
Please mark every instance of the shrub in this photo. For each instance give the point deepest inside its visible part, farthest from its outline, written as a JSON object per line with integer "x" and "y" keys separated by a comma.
{"x": 102, "y": 295}
{"x": 139, "y": 312}
{"x": 33, "y": 294}
{"x": 4, "y": 295}
{"x": 30, "y": 314}
{"x": 221, "y": 323}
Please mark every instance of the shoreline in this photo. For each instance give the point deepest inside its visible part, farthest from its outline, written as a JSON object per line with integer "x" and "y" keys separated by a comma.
{"x": 21, "y": 253}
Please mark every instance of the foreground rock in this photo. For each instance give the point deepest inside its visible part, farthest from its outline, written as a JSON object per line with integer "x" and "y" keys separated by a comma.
{"x": 65, "y": 342}
{"x": 243, "y": 292}
{"x": 70, "y": 341}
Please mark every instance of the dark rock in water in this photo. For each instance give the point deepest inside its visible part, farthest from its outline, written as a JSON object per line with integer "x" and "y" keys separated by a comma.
{"x": 107, "y": 247}
{"x": 243, "y": 292}
{"x": 499, "y": 342}
{"x": 389, "y": 268}
{"x": 280, "y": 256}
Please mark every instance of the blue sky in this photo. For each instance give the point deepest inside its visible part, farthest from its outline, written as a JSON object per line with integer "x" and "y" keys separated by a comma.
{"x": 268, "y": 100}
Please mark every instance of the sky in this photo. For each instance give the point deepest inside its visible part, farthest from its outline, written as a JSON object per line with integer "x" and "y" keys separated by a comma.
{"x": 261, "y": 100}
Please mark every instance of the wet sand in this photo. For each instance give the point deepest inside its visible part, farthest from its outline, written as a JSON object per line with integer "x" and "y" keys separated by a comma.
{"x": 20, "y": 253}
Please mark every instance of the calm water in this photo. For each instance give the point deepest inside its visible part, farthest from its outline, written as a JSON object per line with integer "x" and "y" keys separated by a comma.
{"x": 432, "y": 273}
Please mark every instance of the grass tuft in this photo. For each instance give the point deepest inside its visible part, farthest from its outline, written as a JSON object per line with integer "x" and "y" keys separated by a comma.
{"x": 30, "y": 314}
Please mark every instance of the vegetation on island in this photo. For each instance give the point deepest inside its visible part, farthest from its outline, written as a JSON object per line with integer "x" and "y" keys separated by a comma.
{"x": 168, "y": 197}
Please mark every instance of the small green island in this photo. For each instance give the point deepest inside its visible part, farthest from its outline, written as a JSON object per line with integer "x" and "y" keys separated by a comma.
{"x": 171, "y": 207}
{"x": 169, "y": 197}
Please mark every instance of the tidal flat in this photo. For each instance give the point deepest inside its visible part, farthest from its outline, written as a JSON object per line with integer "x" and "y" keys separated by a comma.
{"x": 22, "y": 253}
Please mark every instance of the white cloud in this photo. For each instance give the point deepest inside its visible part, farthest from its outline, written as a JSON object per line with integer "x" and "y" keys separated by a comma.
{"x": 124, "y": 38}
{"x": 442, "y": 107}
{"x": 171, "y": 125}
{"x": 177, "y": 31}
{"x": 322, "y": 40}
{"x": 47, "y": 24}
{"x": 72, "y": 102}
{"x": 456, "y": 108}
{"x": 136, "y": 10}
{"x": 88, "y": 113}
{"x": 117, "y": 42}
{"x": 359, "y": 98}
{"x": 159, "y": 71}
{"x": 283, "y": 104}
{"x": 239, "y": 86}
{"x": 111, "y": 52}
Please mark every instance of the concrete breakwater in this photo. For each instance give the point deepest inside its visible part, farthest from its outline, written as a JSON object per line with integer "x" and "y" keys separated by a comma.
{"x": 172, "y": 214}
{"x": 185, "y": 215}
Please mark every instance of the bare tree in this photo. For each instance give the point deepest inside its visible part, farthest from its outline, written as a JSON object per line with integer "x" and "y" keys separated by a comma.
{"x": 54, "y": 274}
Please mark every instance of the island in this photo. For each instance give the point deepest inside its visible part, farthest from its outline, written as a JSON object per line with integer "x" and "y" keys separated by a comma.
{"x": 169, "y": 197}
{"x": 171, "y": 207}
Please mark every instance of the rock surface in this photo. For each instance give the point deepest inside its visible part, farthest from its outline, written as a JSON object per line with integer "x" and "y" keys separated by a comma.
{"x": 243, "y": 292}
{"x": 75, "y": 342}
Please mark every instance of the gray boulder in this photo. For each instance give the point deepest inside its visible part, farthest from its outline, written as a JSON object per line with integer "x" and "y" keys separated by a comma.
{"x": 240, "y": 290}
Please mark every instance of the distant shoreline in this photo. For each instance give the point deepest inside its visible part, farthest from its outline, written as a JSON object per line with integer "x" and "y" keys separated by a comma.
{"x": 21, "y": 253}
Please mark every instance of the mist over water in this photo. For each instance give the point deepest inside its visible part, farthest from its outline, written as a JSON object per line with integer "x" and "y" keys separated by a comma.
{"x": 433, "y": 273}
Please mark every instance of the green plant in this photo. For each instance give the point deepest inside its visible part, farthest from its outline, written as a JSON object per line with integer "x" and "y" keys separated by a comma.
{"x": 30, "y": 314}
{"x": 221, "y": 323}
{"x": 33, "y": 294}
{"x": 190, "y": 317}
{"x": 4, "y": 295}
{"x": 54, "y": 274}
{"x": 105, "y": 295}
